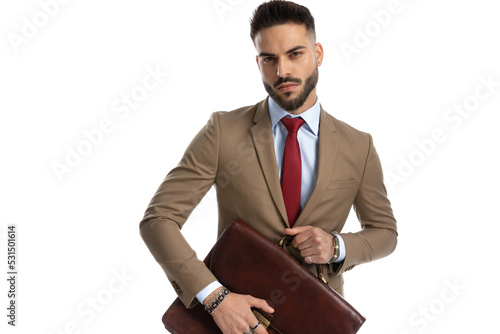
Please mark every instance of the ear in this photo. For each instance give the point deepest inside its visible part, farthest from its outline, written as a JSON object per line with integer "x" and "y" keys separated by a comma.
{"x": 318, "y": 49}
{"x": 257, "y": 60}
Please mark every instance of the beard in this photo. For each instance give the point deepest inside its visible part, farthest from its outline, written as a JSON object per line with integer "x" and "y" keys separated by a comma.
{"x": 296, "y": 103}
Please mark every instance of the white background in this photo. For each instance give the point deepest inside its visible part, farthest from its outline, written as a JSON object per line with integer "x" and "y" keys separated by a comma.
{"x": 77, "y": 232}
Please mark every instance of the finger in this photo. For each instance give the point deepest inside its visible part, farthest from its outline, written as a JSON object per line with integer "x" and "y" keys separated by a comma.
{"x": 307, "y": 252}
{"x": 260, "y": 303}
{"x": 310, "y": 247}
{"x": 315, "y": 238}
{"x": 309, "y": 258}
{"x": 305, "y": 242}
{"x": 297, "y": 230}
{"x": 260, "y": 330}
{"x": 318, "y": 254}
{"x": 302, "y": 234}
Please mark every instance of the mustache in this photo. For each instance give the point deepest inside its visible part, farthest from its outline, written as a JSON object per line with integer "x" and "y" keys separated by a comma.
{"x": 285, "y": 80}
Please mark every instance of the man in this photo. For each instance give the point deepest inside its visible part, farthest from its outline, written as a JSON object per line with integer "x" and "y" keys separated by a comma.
{"x": 284, "y": 166}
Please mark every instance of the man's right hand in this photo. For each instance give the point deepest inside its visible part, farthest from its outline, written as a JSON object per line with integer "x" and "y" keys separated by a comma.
{"x": 234, "y": 314}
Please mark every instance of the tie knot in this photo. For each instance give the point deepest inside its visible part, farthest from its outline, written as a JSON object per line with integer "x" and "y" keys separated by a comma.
{"x": 292, "y": 124}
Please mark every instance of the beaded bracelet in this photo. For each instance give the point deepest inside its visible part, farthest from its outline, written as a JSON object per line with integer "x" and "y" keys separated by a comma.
{"x": 216, "y": 300}
{"x": 336, "y": 249}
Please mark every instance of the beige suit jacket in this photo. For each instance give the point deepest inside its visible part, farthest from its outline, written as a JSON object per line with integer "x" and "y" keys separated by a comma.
{"x": 235, "y": 150}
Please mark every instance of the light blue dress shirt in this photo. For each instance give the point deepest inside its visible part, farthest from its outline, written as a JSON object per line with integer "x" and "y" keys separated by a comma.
{"x": 307, "y": 136}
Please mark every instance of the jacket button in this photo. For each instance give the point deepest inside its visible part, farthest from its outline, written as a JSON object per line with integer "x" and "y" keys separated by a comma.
{"x": 176, "y": 288}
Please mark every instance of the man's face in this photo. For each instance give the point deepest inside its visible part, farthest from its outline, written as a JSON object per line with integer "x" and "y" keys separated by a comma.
{"x": 288, "y": 61}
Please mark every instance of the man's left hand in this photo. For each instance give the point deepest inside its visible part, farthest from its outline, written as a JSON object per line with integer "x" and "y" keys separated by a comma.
{"x": 315, "y": 244}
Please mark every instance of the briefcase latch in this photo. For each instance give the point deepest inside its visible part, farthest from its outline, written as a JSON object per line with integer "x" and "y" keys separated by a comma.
{"x": 263, "y": 320}
{"x": 322, "y": 278}
{"x": 286, "y": 241}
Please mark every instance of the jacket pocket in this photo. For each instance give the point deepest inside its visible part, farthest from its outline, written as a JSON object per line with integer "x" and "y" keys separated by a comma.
{"x": 341, "y": 184}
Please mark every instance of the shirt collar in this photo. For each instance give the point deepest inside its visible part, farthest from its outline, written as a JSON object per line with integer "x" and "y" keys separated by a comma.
{"x": 310, "y": 116}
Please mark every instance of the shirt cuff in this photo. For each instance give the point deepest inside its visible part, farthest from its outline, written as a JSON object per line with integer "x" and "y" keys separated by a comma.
{"x": 203, "y": 294}
{"x": 341, "y": 248}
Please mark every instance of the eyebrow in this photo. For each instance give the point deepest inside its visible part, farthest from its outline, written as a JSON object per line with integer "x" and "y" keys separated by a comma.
{"x": 266, "y": 54}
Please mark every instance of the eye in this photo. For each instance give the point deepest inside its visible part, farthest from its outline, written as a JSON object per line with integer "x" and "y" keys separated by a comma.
{"x": 267, "y": 59}
{"x": 295, "y": 54}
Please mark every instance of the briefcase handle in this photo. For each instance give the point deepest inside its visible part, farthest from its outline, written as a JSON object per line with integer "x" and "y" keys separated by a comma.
{"x": 287, "y": 241}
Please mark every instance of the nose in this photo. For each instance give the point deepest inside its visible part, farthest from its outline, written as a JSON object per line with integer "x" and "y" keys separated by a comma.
{"x": 283, "y": 67}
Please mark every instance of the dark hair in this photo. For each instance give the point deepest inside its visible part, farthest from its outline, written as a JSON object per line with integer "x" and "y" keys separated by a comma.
{"x": 276, "y": 12}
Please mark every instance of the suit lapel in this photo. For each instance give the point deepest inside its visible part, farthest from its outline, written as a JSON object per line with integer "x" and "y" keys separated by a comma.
{"x": 327, "y": 154}
{"x": 262, "y": 137}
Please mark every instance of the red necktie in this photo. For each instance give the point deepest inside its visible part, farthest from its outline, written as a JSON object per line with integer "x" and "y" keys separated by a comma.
{"x": 291, "y": 175}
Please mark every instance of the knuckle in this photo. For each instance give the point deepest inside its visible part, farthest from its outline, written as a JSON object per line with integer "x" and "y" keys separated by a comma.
{"x": 259, "y": 301}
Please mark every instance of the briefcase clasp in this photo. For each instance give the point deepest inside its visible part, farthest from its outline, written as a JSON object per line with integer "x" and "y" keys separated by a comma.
{"x": 263, "y": 321}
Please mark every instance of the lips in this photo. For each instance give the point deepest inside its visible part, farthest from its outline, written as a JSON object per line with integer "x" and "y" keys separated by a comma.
{"x": 288, "y": 87}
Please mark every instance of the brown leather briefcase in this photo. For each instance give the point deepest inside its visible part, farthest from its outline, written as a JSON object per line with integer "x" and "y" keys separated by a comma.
{"x": 246, "y": 262}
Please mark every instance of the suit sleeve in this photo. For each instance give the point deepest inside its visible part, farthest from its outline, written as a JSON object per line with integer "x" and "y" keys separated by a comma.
{"x": 378, "y": 235}
{"x": 179, "y": 193}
